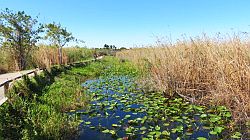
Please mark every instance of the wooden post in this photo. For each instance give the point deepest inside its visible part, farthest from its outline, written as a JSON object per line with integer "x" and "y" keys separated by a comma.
{"x": 6, "y": 88}
{"x": 35, "y": 72}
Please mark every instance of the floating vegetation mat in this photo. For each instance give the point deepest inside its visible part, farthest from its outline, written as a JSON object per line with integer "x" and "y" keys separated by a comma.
{"x": 119, "y": 110}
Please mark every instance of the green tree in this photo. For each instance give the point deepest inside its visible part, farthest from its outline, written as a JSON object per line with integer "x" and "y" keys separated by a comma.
{"x": 18, "y": 34}
{"x": 59, "y": 36}
{"x": 106, "y": 46}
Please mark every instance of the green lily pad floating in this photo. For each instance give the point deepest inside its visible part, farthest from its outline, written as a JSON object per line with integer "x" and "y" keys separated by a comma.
{"x": 201, "y": 138}
{"x": 215, "y": 118}
{"x": 203, "y": 115}
{"x": 206, "y": 127}
{"x": 123, "y": 101}
{"x": 228, "y": 115}
{"x": 112, "y": 132}
{"x": 217, "y": 130}
{"x": 166, "y": 124}
{"x": 157, "y": 134}
{"x": 157, "y": 128}
{"x": 236, "y": 135}
{"x": 143, "y": 128}
{"x": 188, "y": 133}
{"x": 127, "y": 116}
{"x": 105, "y": 131}
{"x": 154, "y": 113}
{"x": 80, "y": 121}
{"x": 178, "y": 129}
{"x": 166, "y": 133}
{"x": 114, "y": 125}
{"x": 106, "y": 113}
{"x": 87, "y": 123}
{"x": 129, "y": 129}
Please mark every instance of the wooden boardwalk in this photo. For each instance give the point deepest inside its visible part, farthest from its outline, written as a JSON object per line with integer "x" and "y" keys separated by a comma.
{"x": 7, "y": 79}
{"x": 10, "y": 78}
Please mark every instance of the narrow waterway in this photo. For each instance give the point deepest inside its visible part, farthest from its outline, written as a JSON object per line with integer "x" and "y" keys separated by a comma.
{"x": 120, "y": 110}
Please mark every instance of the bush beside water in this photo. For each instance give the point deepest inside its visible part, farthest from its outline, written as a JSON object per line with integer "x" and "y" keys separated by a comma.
{"x": 37, "y": 107}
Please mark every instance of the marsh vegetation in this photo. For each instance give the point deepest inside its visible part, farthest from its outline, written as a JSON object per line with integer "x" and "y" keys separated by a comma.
{"x": 107, "y": 100}
{"x": 191, "y": 89}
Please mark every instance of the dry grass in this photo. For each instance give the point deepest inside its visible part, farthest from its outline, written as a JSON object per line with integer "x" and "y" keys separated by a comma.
{"x": 45, "y": 57}
{"x": 211, "y": 71}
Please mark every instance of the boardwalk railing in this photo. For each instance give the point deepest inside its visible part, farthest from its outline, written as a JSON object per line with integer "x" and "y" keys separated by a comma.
{"x": 7, "y": 83}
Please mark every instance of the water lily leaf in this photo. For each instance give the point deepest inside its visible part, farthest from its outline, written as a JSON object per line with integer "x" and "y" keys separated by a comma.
{"x": 157, "y": 128}
{"x": 188, "y": 133}
{"x": 123, "y": 101}
{"x": 218, "y": 129}
{"x": 157, "y": 134}
{"x": 213, "y": 132}
{"x": 179, "y": 128}
{"x": 236, "y": 135}
{"x": 206, "y": 127}
{"x": 129, "y": 129}
{"x": 152, "y": 133}
{"x": 143, "y": 128}
{"x": 201, "y": 138}
{"x": 127, "y": 116}
{"x": 214, "y": 118}
{"x": 228, "y": 114}
{"x": 150, "y": 136}
{"x": 166, "y": 124}
{"x": 114, "y": 125}
{"x": 203, "y": 115}
{"x": 106, "y": 113}
{"x": 87, "y": 123}
{"x": 105, "y": 131}
{"x": 166, "y": 133}
{"x": 92, "y": 127}
{"x": 112, "y": 132}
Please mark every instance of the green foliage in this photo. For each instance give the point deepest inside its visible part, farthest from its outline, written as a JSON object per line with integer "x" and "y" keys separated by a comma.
{"x": 57, "y": 34}
{"x": 18, "y": 33}
{"x": 114, "y": 66}
{"x": 148, "y": 115}
{"x": 75, "y": 54}
{"x": 37, "y": 107}
{"x": 65, "y": 93}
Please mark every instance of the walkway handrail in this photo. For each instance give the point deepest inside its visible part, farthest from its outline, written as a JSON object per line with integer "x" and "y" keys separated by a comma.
{"x": 6, "y": 83}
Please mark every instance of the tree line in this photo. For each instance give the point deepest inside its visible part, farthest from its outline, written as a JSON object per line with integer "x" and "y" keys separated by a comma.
{"x": 19, "y": 34}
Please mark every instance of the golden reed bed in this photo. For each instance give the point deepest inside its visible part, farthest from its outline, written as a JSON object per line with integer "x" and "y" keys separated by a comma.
{"x": 204, "y": 70}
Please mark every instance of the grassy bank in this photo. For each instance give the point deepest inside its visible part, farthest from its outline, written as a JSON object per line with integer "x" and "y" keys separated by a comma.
{"x": 211, "y": 71}
{"x": 37, "y": 107}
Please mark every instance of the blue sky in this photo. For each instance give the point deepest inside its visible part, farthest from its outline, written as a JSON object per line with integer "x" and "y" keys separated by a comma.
{"x": 128, "y": 23}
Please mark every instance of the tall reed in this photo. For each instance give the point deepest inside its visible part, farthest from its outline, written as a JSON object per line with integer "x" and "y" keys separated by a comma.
{"x": 46, "y": 56}
{"x": 206, "y": 70}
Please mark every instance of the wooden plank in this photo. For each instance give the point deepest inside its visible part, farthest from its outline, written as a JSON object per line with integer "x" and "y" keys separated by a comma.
{"x": 3, "y": 100}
